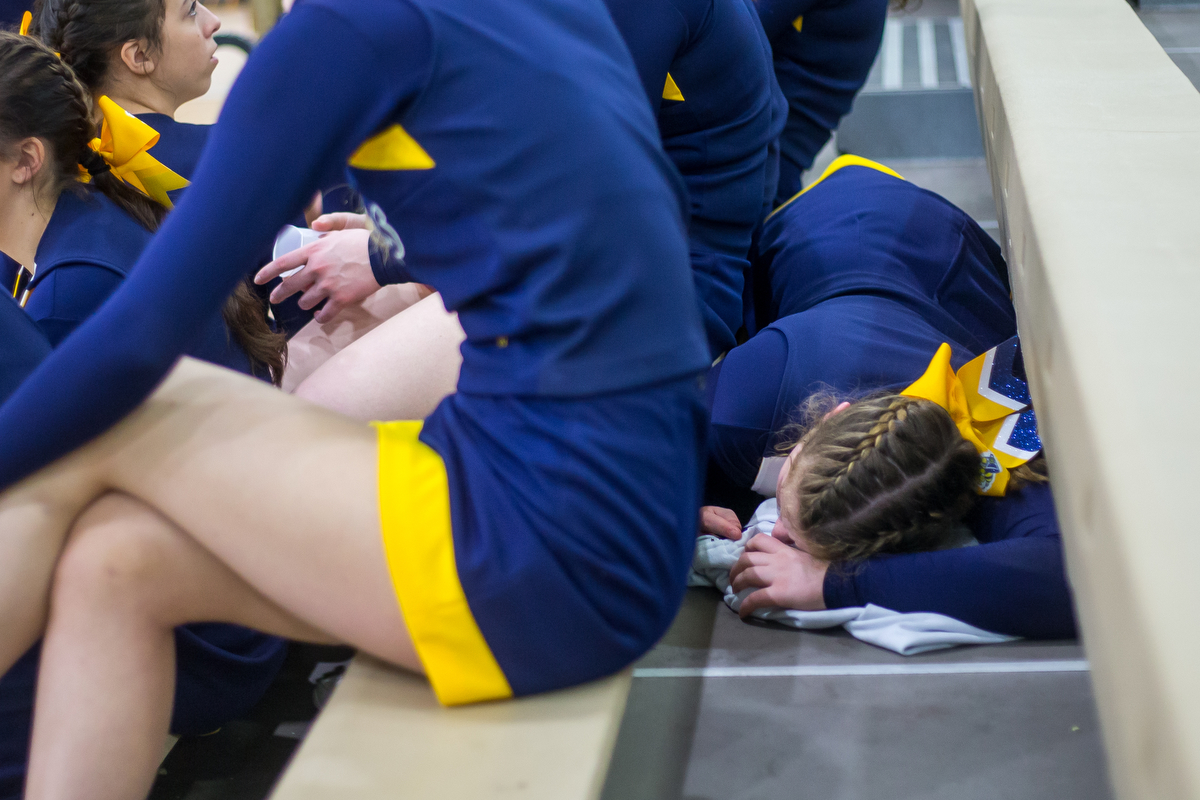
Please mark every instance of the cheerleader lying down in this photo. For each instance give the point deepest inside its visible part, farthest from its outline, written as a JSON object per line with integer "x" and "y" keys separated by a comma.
{"x": 886, "y": 406}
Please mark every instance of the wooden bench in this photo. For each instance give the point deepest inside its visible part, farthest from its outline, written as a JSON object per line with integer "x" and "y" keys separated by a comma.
{"x": 383, "y": 735}
{"x": 1093, "y": 142}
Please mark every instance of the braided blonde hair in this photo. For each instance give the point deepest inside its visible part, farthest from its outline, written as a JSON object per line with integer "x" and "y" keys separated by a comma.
{"x": 888, "y": 474}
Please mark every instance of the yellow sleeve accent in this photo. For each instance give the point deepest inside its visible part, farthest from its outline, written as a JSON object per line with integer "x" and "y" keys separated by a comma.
{"x": 798, "y": 23}
{"x": 838, "y": 163}
{"x": 671, "y": 90}
{"x": 394, "y": 149}
{"x": 414, "y": 509}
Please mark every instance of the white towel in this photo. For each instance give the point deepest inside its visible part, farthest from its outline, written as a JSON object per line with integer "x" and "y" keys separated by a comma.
{"x": 906, "y": 634}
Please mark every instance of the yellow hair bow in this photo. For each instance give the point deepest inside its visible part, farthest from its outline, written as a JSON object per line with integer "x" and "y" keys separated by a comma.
{"x": 123, "y": 143}
{"x": 989, "y": 402}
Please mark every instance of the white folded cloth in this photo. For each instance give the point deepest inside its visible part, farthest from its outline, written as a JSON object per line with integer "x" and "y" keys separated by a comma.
{"x": 906, "y": 634}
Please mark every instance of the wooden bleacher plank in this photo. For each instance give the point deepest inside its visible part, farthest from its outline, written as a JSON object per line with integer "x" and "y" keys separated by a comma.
{"x": 1093, "y": 142}
{"x": 383, "y": 735}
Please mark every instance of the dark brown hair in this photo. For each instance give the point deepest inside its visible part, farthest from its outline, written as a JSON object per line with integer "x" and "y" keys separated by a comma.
{"x": 888, "y": 474}
{"x": 42, "y": 97}
{"x": 90, "y": 33}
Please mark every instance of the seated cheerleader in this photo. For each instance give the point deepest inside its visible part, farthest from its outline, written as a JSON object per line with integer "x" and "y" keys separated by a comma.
{"x": 706, "y": 68}
{"x": 823, "y": 52}
{"x": 887, "y": 298}
{"x": 534, "y": 532}
{"x": 92, "y": 236}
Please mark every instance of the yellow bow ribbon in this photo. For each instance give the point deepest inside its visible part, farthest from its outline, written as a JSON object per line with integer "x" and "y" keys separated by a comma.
{"x": 123, "y": 142}
{"x": 984, "y": 417}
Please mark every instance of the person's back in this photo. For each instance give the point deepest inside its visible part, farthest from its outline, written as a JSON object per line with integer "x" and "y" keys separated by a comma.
{"x": 862, "y": 229}
{"x": 86, "y": 252}
{"x": 516, "y": 206}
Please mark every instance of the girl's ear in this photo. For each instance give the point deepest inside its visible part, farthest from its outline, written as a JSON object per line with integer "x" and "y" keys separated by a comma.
{"x": 842, "y": 406}
{"x": 137, "y": 57}
{"x": 31, "y": 157}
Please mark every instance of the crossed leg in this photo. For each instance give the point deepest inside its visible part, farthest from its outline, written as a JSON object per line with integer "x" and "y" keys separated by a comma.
{"x": 126, "y": 579}
{"x": 273, "y": 499}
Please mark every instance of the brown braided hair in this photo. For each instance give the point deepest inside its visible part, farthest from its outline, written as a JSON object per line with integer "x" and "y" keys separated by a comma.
{"x": 888, "y": 474}
{"x": 42, "y": 97}
{"x": 90, "y": 33}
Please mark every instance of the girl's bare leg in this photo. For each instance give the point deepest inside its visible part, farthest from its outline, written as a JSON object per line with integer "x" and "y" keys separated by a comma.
{"x": 126, "y": 579}
{"x": 34, "y": 517}
{"x": 283, "y": 493}
{"x": 400, "y": 370}
{"x": 316, "y": 343}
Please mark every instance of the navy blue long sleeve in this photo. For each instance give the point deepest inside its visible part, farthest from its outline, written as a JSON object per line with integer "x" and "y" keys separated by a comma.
{"x": 823, "y": 53}
{"x": 1013, "y": 582}
{"x": 717, "y": 136}
{"x": 24, "y": 345}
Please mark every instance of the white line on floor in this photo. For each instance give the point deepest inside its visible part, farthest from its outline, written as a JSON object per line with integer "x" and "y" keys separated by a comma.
{"x": 855, "y": 670}
{"x": 958, "y": 43}
{"x": 893, "y": 54}
{"x": 927, "y": 54}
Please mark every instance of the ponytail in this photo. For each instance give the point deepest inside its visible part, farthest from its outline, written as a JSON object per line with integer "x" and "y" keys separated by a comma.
{"x": 42, "y": 97}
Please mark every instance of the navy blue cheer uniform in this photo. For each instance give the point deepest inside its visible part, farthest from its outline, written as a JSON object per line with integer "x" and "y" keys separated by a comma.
{"x": 11, "y": 12}
{"x": 823, "y": 52}
{"x": 873, "y": 274}
{"x": 85, "y": 253}
{"x": 706, "y": 67}
{"x": 508, "y": 152}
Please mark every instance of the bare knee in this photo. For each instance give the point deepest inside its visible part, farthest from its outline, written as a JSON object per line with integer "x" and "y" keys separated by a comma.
{"x": 115, "y": 555}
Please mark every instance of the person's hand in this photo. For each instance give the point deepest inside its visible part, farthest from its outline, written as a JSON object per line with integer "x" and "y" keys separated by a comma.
{"x": 717, "y": 521}
{"x": 785, "y": 577}
{"x": 337, "y": 268}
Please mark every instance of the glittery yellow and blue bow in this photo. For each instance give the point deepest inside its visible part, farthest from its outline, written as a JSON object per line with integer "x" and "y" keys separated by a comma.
{"x": 989, "y": 402}
{"x": 123, "y": 143}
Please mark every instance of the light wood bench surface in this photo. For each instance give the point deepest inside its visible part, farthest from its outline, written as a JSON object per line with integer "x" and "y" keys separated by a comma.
{"x": 1093, "y": 142}
{"x": 383, "y": 735}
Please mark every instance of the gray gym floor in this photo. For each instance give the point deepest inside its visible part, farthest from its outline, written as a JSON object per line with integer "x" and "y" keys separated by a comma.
{"x": 727, "y": 710}
{"x": 1177, "y": 28}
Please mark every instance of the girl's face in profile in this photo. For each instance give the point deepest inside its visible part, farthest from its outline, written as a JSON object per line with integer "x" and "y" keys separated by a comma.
{"x": 787, "y": 499}
{"x": 188, "y": 58}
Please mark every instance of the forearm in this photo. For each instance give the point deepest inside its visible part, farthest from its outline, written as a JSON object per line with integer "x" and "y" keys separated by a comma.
{"x": 1017, "y": 586}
